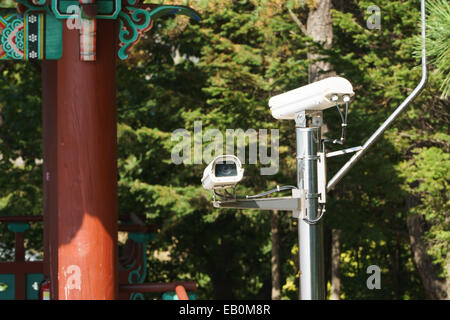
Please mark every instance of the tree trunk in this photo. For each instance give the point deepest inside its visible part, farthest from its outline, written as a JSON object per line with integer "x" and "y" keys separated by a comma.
{"x": 276, "y": 270}
{"x": 435, "y": 287}
{"x": 335, "y": 264}
{"x": 219, "y": 271}
{"x": 320, "y": 29}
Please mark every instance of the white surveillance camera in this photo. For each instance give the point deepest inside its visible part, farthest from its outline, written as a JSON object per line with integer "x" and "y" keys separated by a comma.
{"x": 316, "y": 96}
{"x": 223, "y": 172}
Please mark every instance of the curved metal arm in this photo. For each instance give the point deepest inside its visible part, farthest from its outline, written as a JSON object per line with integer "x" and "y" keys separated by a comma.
{"x": 343, "y": 171}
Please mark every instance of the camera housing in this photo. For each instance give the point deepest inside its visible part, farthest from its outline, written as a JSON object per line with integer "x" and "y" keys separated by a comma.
{"x": 223, "y": 172}
{"x": 316, "y": 96}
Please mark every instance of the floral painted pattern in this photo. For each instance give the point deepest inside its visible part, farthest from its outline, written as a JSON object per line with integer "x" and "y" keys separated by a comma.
{"x": 12, "y": 39}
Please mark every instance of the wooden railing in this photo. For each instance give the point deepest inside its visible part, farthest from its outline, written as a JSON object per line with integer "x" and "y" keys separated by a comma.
{"x": 20, "y": 274}
{"x": 132, "y": 265}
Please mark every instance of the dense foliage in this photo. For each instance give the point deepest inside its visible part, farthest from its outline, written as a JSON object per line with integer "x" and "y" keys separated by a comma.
{"x": 222, "y": 71}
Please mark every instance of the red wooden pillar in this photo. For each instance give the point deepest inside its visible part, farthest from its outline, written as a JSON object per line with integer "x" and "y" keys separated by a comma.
{"x": 49, "y": 116}
{"x": 80, "y": 169}
{"x": 20, "y": 279}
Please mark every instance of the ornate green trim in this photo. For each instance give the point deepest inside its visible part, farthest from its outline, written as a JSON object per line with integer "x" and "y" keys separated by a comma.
{"x": 136, "y": 296}
{"x": 18, "y": 227}
{"x": 136, "y": 276}
{"x": 39, "y": 2}
{"x": 164, "y": 10}
{"x": 106, "y": 9}
{"x": 33, "y": 35}
{"x": 135, "y": 21}
{"x": 171, "y": 295}
{"x": 134, "y": 17}
{"x": 12, "y": 37}
{"x": 141, "y": 237}
{"x": 36, "y": 5}
{"x": 132, "y": 25}
{"x": 7, "y": 286}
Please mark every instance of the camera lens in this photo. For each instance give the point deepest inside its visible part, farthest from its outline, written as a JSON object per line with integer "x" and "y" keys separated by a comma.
{"x": 225, "y": 170}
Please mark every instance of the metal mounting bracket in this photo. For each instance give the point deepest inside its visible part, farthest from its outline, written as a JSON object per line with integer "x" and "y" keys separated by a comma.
{"x": 294, "y": 203}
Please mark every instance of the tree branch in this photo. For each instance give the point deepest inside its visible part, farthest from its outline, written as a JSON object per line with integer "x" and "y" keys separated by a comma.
{"x": 298, "y": 22}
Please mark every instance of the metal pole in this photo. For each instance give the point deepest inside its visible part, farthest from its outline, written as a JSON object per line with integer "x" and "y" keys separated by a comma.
{"x": 343, "y": 171}
{"x": 310, "y": 236}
